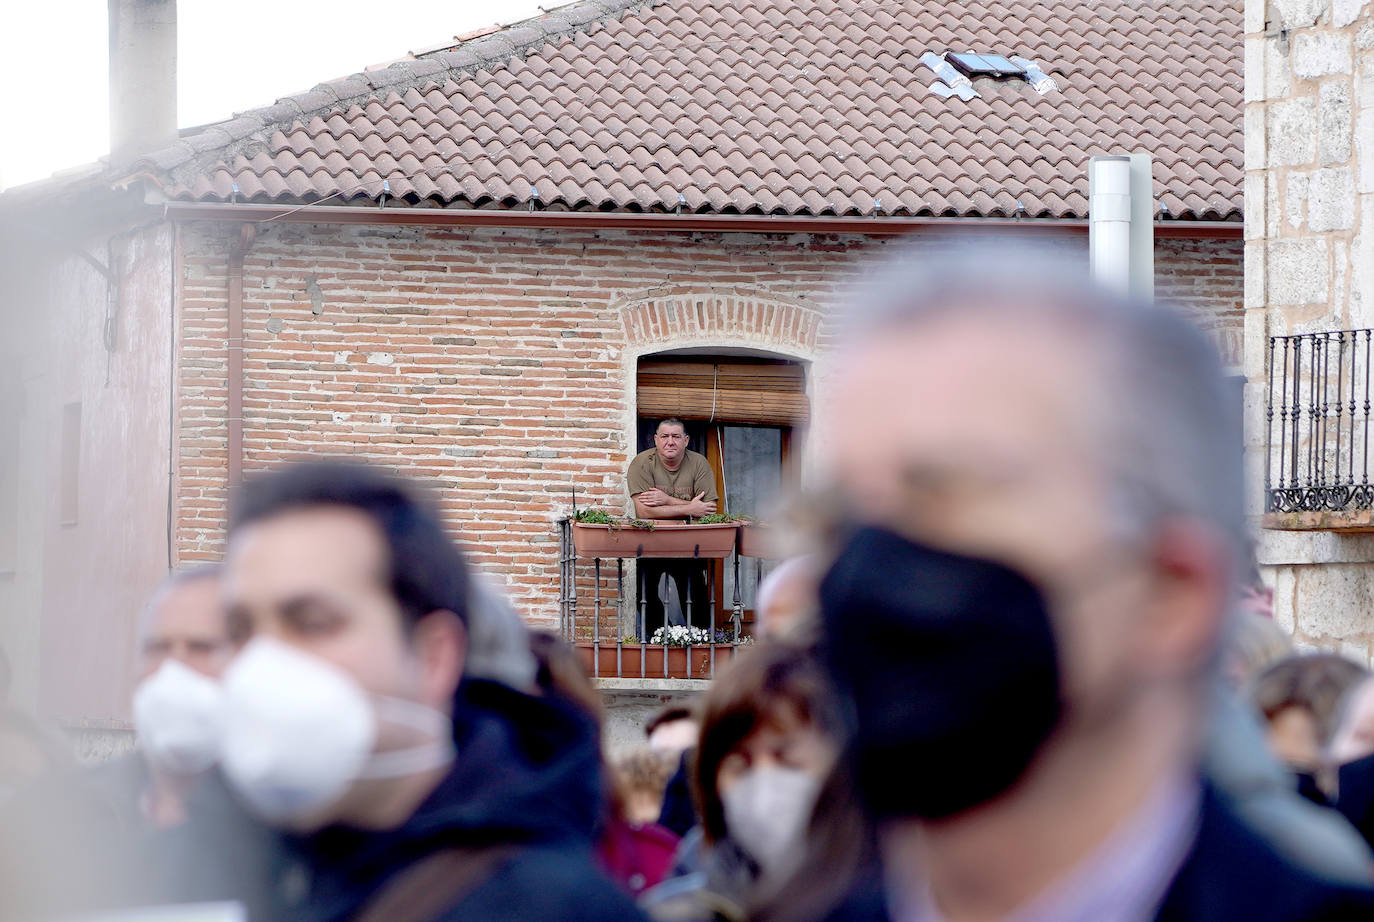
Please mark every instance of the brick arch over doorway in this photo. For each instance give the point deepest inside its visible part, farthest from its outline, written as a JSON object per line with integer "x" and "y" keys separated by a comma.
{"x": 665, "y": 319}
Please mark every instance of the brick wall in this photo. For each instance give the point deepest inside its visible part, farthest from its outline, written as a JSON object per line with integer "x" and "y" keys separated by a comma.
{"x": 500, "y": 364}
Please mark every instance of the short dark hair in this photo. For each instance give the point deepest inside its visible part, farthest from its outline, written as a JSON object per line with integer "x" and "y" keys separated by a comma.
{"x": 669, "y": 713}
{"x": 426, "y": 571}
{"x": 671, "y": 421}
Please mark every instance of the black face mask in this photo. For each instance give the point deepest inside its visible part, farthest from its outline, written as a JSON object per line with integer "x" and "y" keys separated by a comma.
{"x": 950, "y": 668}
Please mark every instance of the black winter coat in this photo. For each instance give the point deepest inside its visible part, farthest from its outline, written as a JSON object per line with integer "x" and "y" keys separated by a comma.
{"x": 1229, "y": 875}
{"x": 527, "y": 774}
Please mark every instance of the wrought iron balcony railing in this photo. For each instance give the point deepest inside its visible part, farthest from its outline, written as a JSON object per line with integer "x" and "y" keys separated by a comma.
{"x": 1317, "y": 423}
{"x": 605, "y": 617}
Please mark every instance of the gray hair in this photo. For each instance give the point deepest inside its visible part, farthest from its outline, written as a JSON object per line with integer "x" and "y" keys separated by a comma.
{"x": 173, "y": 581}
{"x": 1172, "y": 434}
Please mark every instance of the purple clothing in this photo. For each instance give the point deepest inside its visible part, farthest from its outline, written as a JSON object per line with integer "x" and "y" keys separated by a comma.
{"x": 1124, "y": 880}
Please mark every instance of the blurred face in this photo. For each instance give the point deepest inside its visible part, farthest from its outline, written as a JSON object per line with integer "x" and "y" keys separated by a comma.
{"x": 316, "y": 579}
{"x": 1292, "y": 736}
{"x": 982, "y": 435}
{"x": 671, "y": 442}
{"x": 675, "y": 736}
{"x": 187, "y": 623}
{"x": 784, "y": 742}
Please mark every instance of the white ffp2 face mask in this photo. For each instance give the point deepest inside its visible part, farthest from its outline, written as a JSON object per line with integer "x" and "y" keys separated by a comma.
{"x": 178, "y": 714}
{"x": 298, "y": 731}
{"x": 766, "y": 812}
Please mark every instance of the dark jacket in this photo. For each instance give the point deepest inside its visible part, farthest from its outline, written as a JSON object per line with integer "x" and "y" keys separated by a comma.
{"x": 1229, "y": 875}
{"x": 1356, "y": 797}
{"x": 526, "y": 780}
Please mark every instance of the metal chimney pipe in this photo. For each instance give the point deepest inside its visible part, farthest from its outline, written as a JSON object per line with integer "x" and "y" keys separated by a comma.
{"x": 143, "y": 76}
{"x": 1109, "y": 222}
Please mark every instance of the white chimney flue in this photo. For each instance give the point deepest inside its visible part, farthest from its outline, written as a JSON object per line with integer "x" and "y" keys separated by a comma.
{"x": 143, "y": 76}
{"x": 1120, "y": 224}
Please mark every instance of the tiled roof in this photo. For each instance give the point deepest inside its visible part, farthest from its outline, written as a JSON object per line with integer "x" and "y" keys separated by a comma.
{"x": 811, "y": 107}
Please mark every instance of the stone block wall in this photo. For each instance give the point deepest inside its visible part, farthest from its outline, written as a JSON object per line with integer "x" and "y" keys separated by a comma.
{"x": 1309, "y": 266}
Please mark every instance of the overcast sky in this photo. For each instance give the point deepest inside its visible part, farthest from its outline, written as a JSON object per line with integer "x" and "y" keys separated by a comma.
{"x": 232, "y": 55}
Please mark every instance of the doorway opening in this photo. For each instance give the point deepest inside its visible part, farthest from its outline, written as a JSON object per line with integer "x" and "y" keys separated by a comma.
{"x": 744, "y": 414}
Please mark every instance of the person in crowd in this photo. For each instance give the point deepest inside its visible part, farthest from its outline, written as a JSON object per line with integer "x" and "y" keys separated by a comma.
{"x": 1353, "y": 737}
{"x": 183, "y": 648}
{"x": 786, "y": 602}
{"x": 1037, "y": 553}
{"x": 1298, "y": 698}
{"x": 1238, "y": 760}
{"x": 402, "y": 791}
{"x": 641, "y": 776}
{"x": 768, "y": 742}
{"x": 669, "y": 482}
{"x": 1352, "y": 753}
{"x": 631, "y": 848}
{"x": 674, "y": 728}
{"x": 1256, "y": 643}
{"x": 65, "y": 847}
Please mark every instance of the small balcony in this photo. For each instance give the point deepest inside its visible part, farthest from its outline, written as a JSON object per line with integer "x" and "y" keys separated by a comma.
{"x": 1317, "y": 421}
{"x": 605, "y": 611}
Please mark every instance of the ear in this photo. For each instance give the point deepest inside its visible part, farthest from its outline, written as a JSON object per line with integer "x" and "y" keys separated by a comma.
{"x": 1192, "y": 581}
{"x": 440, "y": 642}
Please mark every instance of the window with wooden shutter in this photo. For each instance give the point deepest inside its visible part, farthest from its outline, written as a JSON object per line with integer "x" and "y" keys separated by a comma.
{"x": 758, "y": 393}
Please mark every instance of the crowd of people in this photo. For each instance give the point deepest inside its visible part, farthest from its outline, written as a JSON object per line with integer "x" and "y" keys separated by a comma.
{"x": 1018, "y": 674}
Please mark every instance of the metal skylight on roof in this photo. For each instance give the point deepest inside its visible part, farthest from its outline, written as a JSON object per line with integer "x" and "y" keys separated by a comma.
{"x": 984, "y": 65}
{"x": 956, "y": 71}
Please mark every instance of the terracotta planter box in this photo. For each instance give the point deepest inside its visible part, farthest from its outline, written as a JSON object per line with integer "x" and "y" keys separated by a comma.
{"x": 758, "y": 541}
{"x": 663, "y": 540}
{"x": 646, "y": 660}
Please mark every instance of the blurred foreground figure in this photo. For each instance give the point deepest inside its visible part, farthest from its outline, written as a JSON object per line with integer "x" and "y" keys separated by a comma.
{"x": 406, "y": 791}
{"x": 786, "y": 605}
{"x": 768, "y": 741}
{"x": 1040, "y": 515}
{"x": 184, "y": 646}
{"x": 1240, "y": 761}
{"x": 1299, "y": 698}
{"x": 1352, "y": 754}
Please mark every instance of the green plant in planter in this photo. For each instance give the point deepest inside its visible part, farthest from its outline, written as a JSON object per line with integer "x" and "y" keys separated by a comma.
{"x": 718, "y": 518}
{"x": 594, "y": 516}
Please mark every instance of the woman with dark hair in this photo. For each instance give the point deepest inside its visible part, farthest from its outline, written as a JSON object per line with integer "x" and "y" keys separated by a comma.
{"x": 768, "y": 742}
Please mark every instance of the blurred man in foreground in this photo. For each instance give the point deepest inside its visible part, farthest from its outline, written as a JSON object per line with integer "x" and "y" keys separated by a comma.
{"x": 406, "y": 791}
{"x": 183, "y": 647}
{"x": 1038, "y": 541}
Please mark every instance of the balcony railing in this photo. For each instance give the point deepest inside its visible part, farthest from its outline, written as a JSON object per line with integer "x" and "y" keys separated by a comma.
{"x": 609, "y": 625}
{"x": 1317, "y": 420}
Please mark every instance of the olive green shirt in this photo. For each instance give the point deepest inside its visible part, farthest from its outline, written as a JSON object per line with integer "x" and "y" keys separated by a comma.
{"x": 693, "y": 476}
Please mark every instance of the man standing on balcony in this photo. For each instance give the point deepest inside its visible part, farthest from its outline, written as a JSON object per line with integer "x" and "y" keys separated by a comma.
{"x": 669, "y": 482}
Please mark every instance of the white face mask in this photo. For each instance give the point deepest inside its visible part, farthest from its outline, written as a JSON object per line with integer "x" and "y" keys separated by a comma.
{"x": 179, "y": 716}
{"x": 298, "y": 731}
{"x": 766, "y": 813}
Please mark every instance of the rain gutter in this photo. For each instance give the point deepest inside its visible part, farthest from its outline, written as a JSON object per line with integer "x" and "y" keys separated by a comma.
{"x": 234, "y": 349}
{"x": 688, "y": 223}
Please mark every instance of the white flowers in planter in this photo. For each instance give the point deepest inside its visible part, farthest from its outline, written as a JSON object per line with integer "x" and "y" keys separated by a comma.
{"x": 680, "y": 635}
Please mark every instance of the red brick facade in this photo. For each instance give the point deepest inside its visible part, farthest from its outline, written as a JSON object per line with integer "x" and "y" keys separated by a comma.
{"x": 500, "y": 364}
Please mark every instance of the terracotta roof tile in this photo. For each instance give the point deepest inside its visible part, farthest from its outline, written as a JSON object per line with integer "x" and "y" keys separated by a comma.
{"x": 793, "y": 106}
